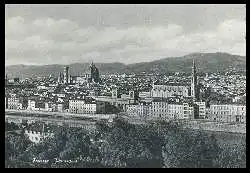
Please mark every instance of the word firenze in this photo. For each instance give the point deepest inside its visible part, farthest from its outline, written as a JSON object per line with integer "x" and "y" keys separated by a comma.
{"x": 56, "y": 160}
{"x": 82, "y": 159}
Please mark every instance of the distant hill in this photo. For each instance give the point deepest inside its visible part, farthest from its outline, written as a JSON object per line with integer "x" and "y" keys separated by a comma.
{"x": 26, "y": 71}
{"x": 206, "y": 62}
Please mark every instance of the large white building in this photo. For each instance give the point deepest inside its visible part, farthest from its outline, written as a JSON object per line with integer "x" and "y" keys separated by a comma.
{"x": 172, "y": 110}
{"x": 46, "y": 106}
{"x": 161, "y": 109}
{"x": 227, "y": 113}
{"x": 14, "y": 103}
{"x": 139, "y": 110}
{"x": 180, "y": 111}
{"x": 86, "y": 107}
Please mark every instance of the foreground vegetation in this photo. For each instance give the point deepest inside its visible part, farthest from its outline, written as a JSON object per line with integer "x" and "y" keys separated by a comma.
{"x": 125, "y": 145}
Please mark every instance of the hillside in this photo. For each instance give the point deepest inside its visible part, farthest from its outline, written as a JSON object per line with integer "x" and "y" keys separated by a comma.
{"x": 206, "y": 62}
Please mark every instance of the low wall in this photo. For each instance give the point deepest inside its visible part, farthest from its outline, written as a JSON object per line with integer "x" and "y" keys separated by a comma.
{"x": 64, "y": 114}
{"x": 216, "y": 126}
{"x": 195, "y": 124}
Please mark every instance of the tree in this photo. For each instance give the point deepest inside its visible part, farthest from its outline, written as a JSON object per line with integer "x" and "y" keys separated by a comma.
{"x": 189, "y": 149}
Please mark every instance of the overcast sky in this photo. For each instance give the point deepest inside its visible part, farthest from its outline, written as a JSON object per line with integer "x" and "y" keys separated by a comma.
{"x": 64, "y": 34}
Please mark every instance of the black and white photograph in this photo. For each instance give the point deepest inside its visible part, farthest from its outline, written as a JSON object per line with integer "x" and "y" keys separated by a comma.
{"x": 125, "y": 85}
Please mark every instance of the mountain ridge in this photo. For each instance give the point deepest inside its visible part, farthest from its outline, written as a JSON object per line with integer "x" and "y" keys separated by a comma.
{"x": 208, "y": 62}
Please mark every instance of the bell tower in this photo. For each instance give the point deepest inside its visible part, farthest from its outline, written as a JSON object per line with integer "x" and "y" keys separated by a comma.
{"x": 66, "y": 75}
{"x": 194, "y": 82}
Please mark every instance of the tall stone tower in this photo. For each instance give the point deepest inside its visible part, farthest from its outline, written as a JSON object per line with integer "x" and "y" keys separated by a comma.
{"x": 66, "y": 75}
{"x": 60, "y": 78}
{"x": 194, "y": 83}
{"x": 94, "y": 73}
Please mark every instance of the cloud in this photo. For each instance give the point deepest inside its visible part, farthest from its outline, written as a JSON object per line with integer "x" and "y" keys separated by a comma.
{"x": 47, "y": 41}
{"x": 15, "y": 27}
{"x": 232, "y": 30}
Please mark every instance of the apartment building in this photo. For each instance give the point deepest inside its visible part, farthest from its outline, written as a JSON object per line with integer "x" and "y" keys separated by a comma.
{"x": 86, "y": 107}
{"x": 227, "y": 113}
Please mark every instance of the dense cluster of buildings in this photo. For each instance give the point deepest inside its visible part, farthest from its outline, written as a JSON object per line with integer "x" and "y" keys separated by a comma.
{"x": 170, "y": 101}
{"x": 183, "y": 102}
{"x": 142, "y": 96}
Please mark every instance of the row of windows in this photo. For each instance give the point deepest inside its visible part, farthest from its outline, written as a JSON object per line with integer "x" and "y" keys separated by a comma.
{"x": 75, "y": 109}
{"x": 171, "y": 106}
{"x": 170, "y": 88}
{"x": 227, "y": 118}
{"x": 83, "y": 103}
{"x": 81, "y": 108}
{"x": 160, "y": 113}
{"x": 13, "y": 100}
{"x": 93, "y": 112}
{"x": 158, "y": 110}
{"x": 12, "y": 107}
{"x": 169, "y": 92}
{"x": 75, "y": 101}
{"x": 88, "y": 106}
{"x": 228, "y": 113}
{"x": 164, "y": 110}
{"x": 160, "y": 106}
{"x": 227, "y": 108}
{"x": 13, "y": 103}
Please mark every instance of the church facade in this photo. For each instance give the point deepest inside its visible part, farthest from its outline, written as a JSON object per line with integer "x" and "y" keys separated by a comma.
{"x": 166, "y": 91}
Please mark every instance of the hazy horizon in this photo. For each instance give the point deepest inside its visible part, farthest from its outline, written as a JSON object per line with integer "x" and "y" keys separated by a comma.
{"x": 68, "y": 34}
{"x": 96, "y": 62}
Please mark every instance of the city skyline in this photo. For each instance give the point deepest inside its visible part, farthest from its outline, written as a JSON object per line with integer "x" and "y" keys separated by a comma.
{"x": 125, "y": 86}
{"x": 59, "y": 34}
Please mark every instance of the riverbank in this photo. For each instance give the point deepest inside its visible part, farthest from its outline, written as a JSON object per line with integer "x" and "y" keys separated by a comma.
{"x": 204, "y": 125}
{"x": 192, "y": 124}
{"x": 60, "y": 114}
